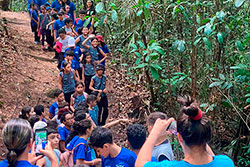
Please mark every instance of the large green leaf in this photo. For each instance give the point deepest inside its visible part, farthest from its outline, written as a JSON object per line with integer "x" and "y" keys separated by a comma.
{"x": 102, "y": 20}
{"x": 99, "y": 7}
{"x": 86, "y": 23}
{"x": 141, "y": 44}
{"x": 208, "y": 29}
{"x": 239, "y": 45}
{"x": 154, "y": 73}
{"x": 207, "y": 42}
{"x": 220, "y": 37}
{"x": 156, "y": 66}
{"x": 114, "y": 15}
{"x": 215, "y": 84}
{"x": 238, "y": 3}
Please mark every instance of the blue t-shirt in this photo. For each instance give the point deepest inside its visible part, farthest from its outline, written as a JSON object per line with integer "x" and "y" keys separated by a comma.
{"x": 99, "y": 83}
{"x": 80, "y": 42}
{"x": 94, "y": 114}
{"x": 5, "y": 163}
{"x": 125, "y": 158}
{"x": 53, "y": 109}
{"x": 94, "y": 53}
{"x": 35, "y": 16}
{"x": 74, "y": 65}
{"x": 57, "y": 25}
{"x": 89, "y": 69}
{"x": 63, "y": 132}
{"x": 41, "y": 2}
{"x": 78, "y": 99}
{"x": 218, "y": 161}
{"x": 68, "y": 81}
{"x": 56, "y": 4}
{"x": 80, "y": 151}
{"x": 78, "y": 23}
{"x": 105, "y": 49}
{"x": 72, "y": 9}
{"x": 76, "y": 58}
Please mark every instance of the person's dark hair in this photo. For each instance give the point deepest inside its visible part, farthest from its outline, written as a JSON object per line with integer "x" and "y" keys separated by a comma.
{"x": 79, "y": 31}
{"x": 85, "y": 54}
{"x": 76, "y": 85}
{"x": 100, "y": 136}
{"x": 57, "y": 92}
{"x": 16, "y": 136}
{"x": 39, "y": 109}
{"x": 42, "y": 6}
{"x": 61, "y": 31}
{"x": 59, "y": 13}
{"x": 80, "y": 116}
{"x": 63, "y": 116}
{"x": 63, "y": 104}
{"x": 33, "y": 119}
{"x": 65, "y": 64}
{"x": 32, "y": 5}
{"x": 79, "y": 128}
{"x": 54, "y": 15}
{"x": 91, "y": 98}
{"x": 51, "y": 124}
{"x": 70, "y": 53}
{"x": 25, "y": 111}
{"x": 154, "y": 116}
{"x": 82, "y": 107}
{"x": 92, "y": 39}
{"x": 136, "y": 134}
{"x": 68, "y": 20}
{"x": 193, "y": 132}
{"x": 83, "y": 12}
{"x": 51, "y": 130}
{"x": 47, "y": 4}
{"x": 55, "y": 10}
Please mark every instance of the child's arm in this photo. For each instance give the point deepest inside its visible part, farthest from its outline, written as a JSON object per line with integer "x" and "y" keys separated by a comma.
{"x": 75, "y": 72}
{"x": 38, "y": 23}
{"x": 52, "y": 22}
{"x": 60, "y": 84}
{"x": 55, "y": 36}
{"x": 41, "y": 162}
{"x": 84, "y": 43}
{"x": 113, "y": 123}
{"x": 92, "y": 88}
{"x": 89, "y": 163}
{"x": 77, "y": 40}
{"x": 72, "y": 103}
{"x": 104, "y": 56}
{"x": 83, "y": 78}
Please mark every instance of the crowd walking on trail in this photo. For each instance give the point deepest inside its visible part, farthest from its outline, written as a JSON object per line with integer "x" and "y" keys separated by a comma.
{"x": 77, "y": 130}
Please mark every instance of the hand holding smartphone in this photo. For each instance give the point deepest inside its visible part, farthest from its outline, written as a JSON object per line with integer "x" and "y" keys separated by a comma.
{"x": 40, "y": 140}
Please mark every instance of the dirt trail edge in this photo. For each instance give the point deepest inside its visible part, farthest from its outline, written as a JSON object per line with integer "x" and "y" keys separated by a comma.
{"x": 27, "y": 76}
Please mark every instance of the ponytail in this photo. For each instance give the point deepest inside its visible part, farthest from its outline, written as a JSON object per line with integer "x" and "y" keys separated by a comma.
{"x": 192, "y": 124}
{"x": 12, "y": 158}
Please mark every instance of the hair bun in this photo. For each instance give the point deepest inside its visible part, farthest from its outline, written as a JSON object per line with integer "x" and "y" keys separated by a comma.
{"x": 190, "y": 107}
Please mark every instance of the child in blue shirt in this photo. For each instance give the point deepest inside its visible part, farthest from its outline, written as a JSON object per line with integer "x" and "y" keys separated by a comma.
{"x": 83, "y": 33}
{"x": 101, "y": 140}
{"x": 78, "y": 143}
{"x": 67, "y": 80}
{"x": 57, "y": 4}
{"x": 39, "y": 110}
{"x": 78, "y": 97}
{"x": 64, "y": 129}
{"x": 98, "y": 85}
{"x": 94, "y": 50}
{"x": 88, "y": 71}
{"x": 34, "y": 21}
{"x": 59, "y": 97}
{"x": 70, "y": 58}
{"x": 79, "y": 22}
{"x": 102, "y": 45}
{"x": 93, "y": 108}
{"x": 59, "y": 23}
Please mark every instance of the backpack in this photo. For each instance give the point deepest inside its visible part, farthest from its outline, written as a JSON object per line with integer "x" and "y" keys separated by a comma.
{"x": 77, "y": 20}
{"x": 66, "y": 158}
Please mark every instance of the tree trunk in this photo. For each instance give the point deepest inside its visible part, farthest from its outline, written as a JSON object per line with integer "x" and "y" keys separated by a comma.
{"x": 4, "y": 5}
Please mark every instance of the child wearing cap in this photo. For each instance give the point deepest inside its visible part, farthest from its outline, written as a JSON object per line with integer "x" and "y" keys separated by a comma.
{"x": 98, "y": 84}
{"x": 102, "y": 45}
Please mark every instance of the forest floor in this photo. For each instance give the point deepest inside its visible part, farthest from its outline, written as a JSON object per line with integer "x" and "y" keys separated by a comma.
{"x": 28, "y": 75}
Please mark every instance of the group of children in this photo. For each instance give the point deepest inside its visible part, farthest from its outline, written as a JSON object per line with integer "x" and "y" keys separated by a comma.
{"x": 77, "y": 118}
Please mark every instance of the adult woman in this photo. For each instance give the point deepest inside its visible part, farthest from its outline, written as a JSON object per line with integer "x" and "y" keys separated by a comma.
{"x": 193, "y": 133}
{"x": 71, "y": 6}
{"x": 18, "y": 138}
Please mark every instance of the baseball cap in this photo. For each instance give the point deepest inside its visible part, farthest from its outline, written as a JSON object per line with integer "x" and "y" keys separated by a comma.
{"x": 39, "y": 125}
{"x": 99, "y": 38}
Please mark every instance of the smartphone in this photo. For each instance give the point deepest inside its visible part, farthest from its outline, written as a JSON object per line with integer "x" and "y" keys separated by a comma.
{"x": 40, "y": 140}
{"x": 172, "y": 126}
